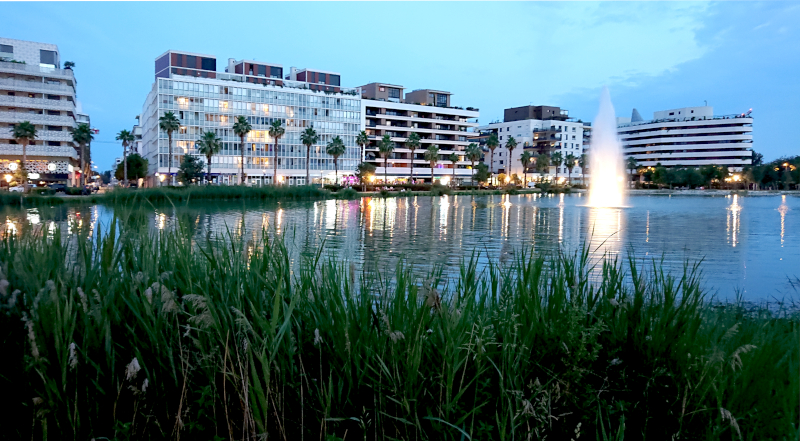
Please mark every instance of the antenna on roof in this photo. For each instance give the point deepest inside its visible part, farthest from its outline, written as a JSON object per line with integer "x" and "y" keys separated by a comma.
{"x": 706, "y": 101}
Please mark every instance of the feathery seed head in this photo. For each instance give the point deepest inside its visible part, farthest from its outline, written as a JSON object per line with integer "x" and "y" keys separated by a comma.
{"x": 132, "y": 369}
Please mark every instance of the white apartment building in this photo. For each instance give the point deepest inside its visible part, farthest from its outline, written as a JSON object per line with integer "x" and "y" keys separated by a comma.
{"x": 204, "y": 100}
{"x": 34, "y": 88}
{"x": 426, "y": 112}
{"x": 538, "y": 129}
{"x": 688, "y": 137}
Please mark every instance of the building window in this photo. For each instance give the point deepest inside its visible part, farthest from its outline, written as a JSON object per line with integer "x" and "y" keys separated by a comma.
{"x": 262, "y": 71}
{"x": 276, "y": 72}
{"x": 208, "y": 64}
{"x": 191, "y": 61}
{"x": 321, "y": 78}
{"x": 7, "y": 48}
{"x": 441, "y": 99}
{"x": 47, "y": 57}
{"x": 381, "y": 89}
{"x": 334, "y": 80}
{"x": 394, "y": 93}
{"x": 431, "y": 97}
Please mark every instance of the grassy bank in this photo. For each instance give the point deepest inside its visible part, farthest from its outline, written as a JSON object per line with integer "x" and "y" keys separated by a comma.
{"x": 151, "y": 336}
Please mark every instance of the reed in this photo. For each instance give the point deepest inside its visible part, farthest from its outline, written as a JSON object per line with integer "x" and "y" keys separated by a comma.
{"x": 134, "y": 334}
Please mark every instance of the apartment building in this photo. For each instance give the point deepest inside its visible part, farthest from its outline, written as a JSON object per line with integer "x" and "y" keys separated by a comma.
{"x": 688, "y": 137}
{"x": 538, "y": 129}
{"x": 34, "y": 88}
{"x": 203, "y": 99}
{"x": 386, "y": 110}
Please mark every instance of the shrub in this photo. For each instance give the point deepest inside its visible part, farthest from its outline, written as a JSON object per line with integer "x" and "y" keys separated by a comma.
{"x": 43, "y": 191}
{"x": 347, "y": 193}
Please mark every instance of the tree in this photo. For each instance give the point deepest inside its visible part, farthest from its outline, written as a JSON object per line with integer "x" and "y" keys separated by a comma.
{"x": 276, "y": 130}
{"x": 660, "y": 175}
{"x": 83, "y": 136}
{"x": 24, "y": 133}
{"x": 482, "y": 175}
{"x": 106, "y": 176}
{"x": 432, "y": 156}
{"x": 191, "y": 169}
{"x": 557, "y": 160}
{"x": 542, "y": 164}
{"x": 758, "y": 158}
{"x": 511, "y": 144}
{"x": 336, "y": 148}
{"x": 454, "y": 158}
{"x": 525, "y": 159}
{"x": 583, "y": 161}
{"x": 412, "y": 143}
{"x": 502, "y": 178}
{"x": 136, "y": 167}
{"x": 127, "y": 138}
{"x": 241, "y": 128}
{"x": 363, "y": 172}
{"x": 363, "y": 140}
{"x": 309, "y": 137}
{"x": 385, "y": 148}
{"x": 474, "y": 154}
{"x": 492, "y": 144}
{"x": 169, "y": 123}
{"x": 570, "y": 161}
{"x": 631, "y": 164}
{"x": 69, "y": 65}
{"x": 208, "y": 145}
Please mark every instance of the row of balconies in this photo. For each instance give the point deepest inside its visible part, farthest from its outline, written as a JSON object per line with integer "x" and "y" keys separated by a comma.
{"x": 39, "y": 119}
{"x": 39, "y": 103}
{"x": 36, "y": 86}
{"x": 39, "y": 150}
{"x": 435, "y": 119}
{"x": 41, "y": 135}
{"x": 38, "y": 70}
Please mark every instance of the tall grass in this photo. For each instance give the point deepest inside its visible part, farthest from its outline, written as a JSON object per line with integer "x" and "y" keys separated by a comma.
{"x": 188, "y": 193}
{"x": 142, "y": 335}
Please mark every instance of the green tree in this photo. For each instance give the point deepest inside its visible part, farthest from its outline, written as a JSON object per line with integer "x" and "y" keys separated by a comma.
{"x": 542, "y": 164}
{"x": 276, "y": 130}
{"x": 83, "y": 136}
{"x": 136, "y": 167}
{"x": 309, "y": 137}
{"x": 454, "y": 158}
{"x": 127, "y": 138}
{"x": 482, "y": 174}
{"x": 385, "y": 149}
{"x": 24, "y": 133}
{"x": 660, "y": 176}
{"x": 758, "y": 158}
{"x": 363, "y": 171}
{"x": 525, "y": 159}
{"x": 583, "y": 161}
{"x": 208, "y": 145}
{"x": 169, "y": 123}
{"x": 492, "y": 144}
{"x": 511, "y": 144}
{"x": 473, "y": 154}
{"x": 631, "y": 164}
{"x": 69, "y": 65}
{"x": 557, "y": 160}
{"x": 336, "y": 148}
{"x": 412, "y": 143}
{"x": 241, "y": 128}
{"x": 432, "y": 156}
{"x": 570, "y": 161}
{"x": 191, "y": 169}
{"x": 363, "y": 140}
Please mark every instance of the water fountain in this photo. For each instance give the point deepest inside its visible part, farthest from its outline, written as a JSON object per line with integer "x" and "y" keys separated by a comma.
{"x": 607, "y": 183}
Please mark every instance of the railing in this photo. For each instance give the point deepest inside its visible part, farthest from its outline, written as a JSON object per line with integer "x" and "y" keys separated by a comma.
{"x": 21, "y": 67}
{"x": 42, "y": 135}
{"x": 39, "y": 102}
{"x": 689, "y": 120}
{"x": 43, "y": 119}
{"x": 39, "y": 150}
{"x": 36, "y": 85}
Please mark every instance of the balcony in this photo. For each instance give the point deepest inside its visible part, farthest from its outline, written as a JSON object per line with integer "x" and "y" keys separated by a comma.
{"x": 37, "y": 70}
{"x": 38, "y": 103}
{"x": 36, "y": 86}
{"x": 52, "y": 120}
{"x": 39, "y": 150}
{"x": 41, "y": 135}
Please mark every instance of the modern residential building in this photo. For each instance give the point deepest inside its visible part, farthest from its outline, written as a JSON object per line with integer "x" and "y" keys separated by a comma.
{"x": 538, "y": 129}
{"x": 426, "y": 112}
{"x": 203, "y": 99}
{"x": 34, "y": 88}
{"x": 688, "y": 137}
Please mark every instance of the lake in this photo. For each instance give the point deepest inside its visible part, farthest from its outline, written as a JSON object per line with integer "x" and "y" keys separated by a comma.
{"x": 748, "y": 244}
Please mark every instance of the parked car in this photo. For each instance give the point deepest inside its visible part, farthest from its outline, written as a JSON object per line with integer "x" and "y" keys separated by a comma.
{"x": 59, "y": 187}
{"x": 18, "y": 188}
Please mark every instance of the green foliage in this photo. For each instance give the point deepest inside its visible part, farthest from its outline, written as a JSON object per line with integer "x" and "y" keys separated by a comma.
{"x": 482, "y": 173}
{"x": 364, "y": 171}
{"x": 191, "y": 169}
{"x": 137, "y": 167}
{"x": 170, "y": 195}
{"x": 232, "y": 340}
{"x": 24, "y": 132}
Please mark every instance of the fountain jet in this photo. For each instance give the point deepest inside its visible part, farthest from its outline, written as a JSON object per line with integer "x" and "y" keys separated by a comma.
{"x": 607, "y": 183}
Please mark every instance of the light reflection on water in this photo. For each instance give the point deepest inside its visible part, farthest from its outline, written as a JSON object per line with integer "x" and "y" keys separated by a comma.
{"x": 750, "y": 243}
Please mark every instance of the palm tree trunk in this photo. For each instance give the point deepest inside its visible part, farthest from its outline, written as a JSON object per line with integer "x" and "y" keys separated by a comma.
{"x": 275, "y": 164}
{"x": 335, "y": 171}
{"x": 83, "y": 156}
{"x": 241, "y": 179}
{"x": 385, "y": 166}
{"x": 24, "y": 160}
{"x": 472, "y": 176}
{"x": 169, "y": 159}
{"x": 491, "y": 164}
{"x": 453, "y": 184}
{"x": 431, "y": 173}
{"x": 412, "y": 167}
{"x": 308, "y": 160}
{"x": 208, "y": 170}
{"x": 125, "y": 163}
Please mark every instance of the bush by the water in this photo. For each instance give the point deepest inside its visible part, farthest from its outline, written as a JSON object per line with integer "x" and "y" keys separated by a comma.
{"x": 152, "y": 336}
{"x": 222, "y": 192}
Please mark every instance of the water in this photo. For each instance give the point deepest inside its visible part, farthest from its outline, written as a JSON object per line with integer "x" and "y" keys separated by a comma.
{"x": 606, "y": 167}
{"x": 746, "y": 243}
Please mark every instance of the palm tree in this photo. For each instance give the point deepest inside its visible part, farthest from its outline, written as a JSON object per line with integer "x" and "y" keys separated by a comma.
{"x": 208, "y": 145}
{"x": 276, "y": 130}
{"x": 169, "y": 123}
{"x": 241, "y": 128}
{"x": 492, "y": 144}
{"x": 582, "y": 161}
{"x": 363, "y": 140}
{"x": 412, "y": 143}
{"x": 454, "y": 158}
{"x": 127, "y": 138}
{"x": 542, "y": 164}
{"x": 309, "y": 137}
{"x": 631, "y": 164}
{"x": 473, "y": 153}
{"x": 82, "y": 135}
{"x": 385, "y": 148}
{"x": 511, "y": 144}
{"x": 24, "y": 133}
{"x": 557, "y": 159}
{"x": 570, "y": 161}
{"x": 336, "y": 148}
{"x": 432, "y": 156}
{"x": 526, "y": 158}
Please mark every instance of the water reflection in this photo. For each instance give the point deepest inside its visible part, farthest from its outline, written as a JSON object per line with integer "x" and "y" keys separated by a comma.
{"x": 605, "y": 231}
{"x": 783, "y": 209}
{"x": 733, "y": 220}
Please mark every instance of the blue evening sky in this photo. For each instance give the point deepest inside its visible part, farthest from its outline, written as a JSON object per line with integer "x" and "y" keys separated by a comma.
{"x": 653, "y": 56}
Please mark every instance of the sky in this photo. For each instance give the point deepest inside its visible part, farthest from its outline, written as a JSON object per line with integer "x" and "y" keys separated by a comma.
{"x": 652, "y": 56}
